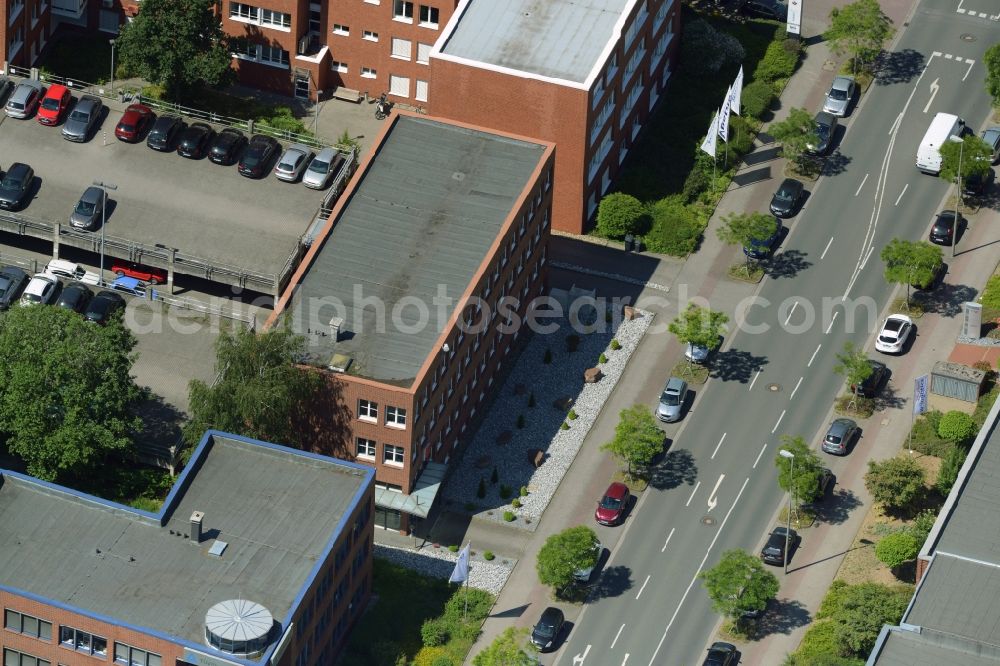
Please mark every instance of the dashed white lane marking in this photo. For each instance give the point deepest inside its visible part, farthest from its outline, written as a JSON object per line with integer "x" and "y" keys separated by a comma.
{"x": 640, "y": 590}
{"x": 616, "y": 636}
{"x": 759, "y": 455}
{"x": 899, "y": 198}
{"x": 692, "y": 493}
{"x": 718, "y": 445}
{"x": 863, "y": 181}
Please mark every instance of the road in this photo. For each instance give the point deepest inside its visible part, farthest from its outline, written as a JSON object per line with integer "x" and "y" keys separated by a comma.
{"x": 648, "y": 607}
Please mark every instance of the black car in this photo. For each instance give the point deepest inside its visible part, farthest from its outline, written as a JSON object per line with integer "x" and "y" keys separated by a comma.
{"x": 6, "y": 88}
{"x": 258, "y": 155}
{"x": 870, "y": 386}
{"x": 75, "y": 297}
{"x": 15, "y": 185}
{"x": 944, "y": 230}
{"x": 546, "y": 630}
{"x": 721, "y": 654}
{"x": 824, "y": 482}
{"x": 104, "y": 306}
{"x": 164, "y": 133}
{"x": 195, "y": 140}
{"x": 765, "y": 9}
{"x": 936, "y": 278}
{"x": 977, "y": 183}
{"x": 761, "y": 248}
{"x": 773, "y": 551}
{"x": 785, "y": 201}
{"x": 826, "y": 125}
{"x": 227, "y": 146}
{"x": 12, "y": 282}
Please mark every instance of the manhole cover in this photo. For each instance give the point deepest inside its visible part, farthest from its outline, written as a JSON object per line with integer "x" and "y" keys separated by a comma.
{"x": 966, "y": 37}
{"x": 708, "y": 520}
{"x": 774, "y": 388}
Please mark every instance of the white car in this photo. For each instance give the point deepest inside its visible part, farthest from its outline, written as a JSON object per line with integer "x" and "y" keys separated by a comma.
{"x": 42, "y": 289}
{"x": 895, "y": 333}
{"x": 72, "y": 271}
{"x": 293, "y": 162}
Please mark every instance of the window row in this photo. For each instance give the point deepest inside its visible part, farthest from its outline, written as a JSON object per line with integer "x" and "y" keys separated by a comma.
{"x": 82, "y": 641}
{"x": 401, "y": 49}
{"x": 133, "y": 656}
{"x": 239, "y": 11}
{"x": 402, "y": 10}
{"x": 263, "y": 53}
{"x": 394, "y": 416}
{"x": 391, "y": 455}
{"x": 12, "y": 658}
{"x": 27, "y": 625}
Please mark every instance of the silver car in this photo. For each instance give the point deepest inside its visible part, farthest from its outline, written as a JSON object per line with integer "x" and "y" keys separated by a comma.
{"x": 838, "y": 100}
{"x": 323, "y": 167}
{"x": 24, "y": 100}
{"x": 82, "y": 119}
{"x": 696, "y": 353}
{"x": 293, "y": 162}
{"x": 671, "y": 406}
{"x": 991, "y": 135}
{"x": 89, "y": 210}
{"x": 839, "y": 435}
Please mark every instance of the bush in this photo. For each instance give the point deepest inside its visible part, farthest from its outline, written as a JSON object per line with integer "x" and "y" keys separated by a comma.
{"x": 572, "y": 415}
{"x": 434, "y": 632}
{"x": 895, "y": 483}
{"x": 957, "y": 427}
{"x": 453, "y": 548}
{"x": 602, "y": 358}
{"x": 615, "y": 345}
{"x": 676, "y": 227}
{"x": 619, "y": 214}
{"x": 516, "y": 503}
{"x": 819, "y": 640}
{"x": 950, "y": 467}
{"x": 564, "y": 426}
{"x": 922, "y": 524}
{"x": 697, "y": 181}
{"x": 740, "y": 137}
{"x": 489, "y": 556}
{"x": 833, "y": 600}
{"x": 509, "y": 516}
{"x": 757, "y": 98}
{"x": 897, "y": 548}
{"x": 926, "y": 439}
{"x": 705, "y": 50}
{"x": 524, "y": 491}
{"x": 778, "y": 63}
{"x": 479, "y": 603}
{"x": 431, "y": 655}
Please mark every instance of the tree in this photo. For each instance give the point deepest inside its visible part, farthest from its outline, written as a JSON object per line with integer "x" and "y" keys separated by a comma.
{"x": 896, "y": 482}
{"x": 66, "y": 390}
{"x": 950, "y": 467}
{"x": 864, "y": 609}
{"x": 859, "y": 29}
{"x": 739, "y": 583}
{"x": 699, "y": 326}
{"x": 258, "y": 388}
{"x": 177, "y": 44}
{"x": 507, "y": 649}
{"x": 957, "y": 427}
{"x": 807, "y": 468}
{"x": 637, "y": 438}
{"x": 744, "y": 228}
{"x": 565, "y": 553}
{"x": 896, "y": 548}
{"x": 968, "y": 157}
{"x": 910, "y": 262}
{"x": 853, "y": 366}
{"x": 619, "y": 214}
{"x": 992, "y": 62}
{"x": 795, "y": 133}
{"x": 705, "y": 50}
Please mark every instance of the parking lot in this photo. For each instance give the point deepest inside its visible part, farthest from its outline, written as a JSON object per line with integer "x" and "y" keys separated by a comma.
{"x": 195, "y": 206}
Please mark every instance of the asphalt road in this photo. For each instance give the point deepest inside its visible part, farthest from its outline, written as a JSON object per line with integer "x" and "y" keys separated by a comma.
{"x": 721, "y": 491}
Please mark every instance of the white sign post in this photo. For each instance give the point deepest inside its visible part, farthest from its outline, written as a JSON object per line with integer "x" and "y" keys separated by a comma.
{"x": 794, "y": 26}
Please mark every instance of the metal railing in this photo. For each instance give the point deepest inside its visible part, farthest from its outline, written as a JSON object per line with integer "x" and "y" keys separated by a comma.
{"x": 247, "y": 318}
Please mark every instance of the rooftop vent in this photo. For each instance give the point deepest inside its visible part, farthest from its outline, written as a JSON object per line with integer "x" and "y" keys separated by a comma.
{"x": 239, "y": 627}
{"x": 196, "y": 526}
{"x": 336, "y": 324}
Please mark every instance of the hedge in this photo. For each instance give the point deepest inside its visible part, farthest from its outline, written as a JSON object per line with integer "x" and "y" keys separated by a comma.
{"x": 779, "y": 61}
{"x": 677, "y": 227}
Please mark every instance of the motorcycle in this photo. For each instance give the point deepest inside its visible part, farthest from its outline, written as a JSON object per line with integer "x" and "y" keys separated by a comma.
{"x": 382, "y": 106}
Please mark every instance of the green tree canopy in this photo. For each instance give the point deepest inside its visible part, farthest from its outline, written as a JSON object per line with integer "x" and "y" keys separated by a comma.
{"x": 706, "y": 50}
{"x": 957, "y": 427}
{"x": 619, "y": 214}
{"x": 991, "y": 60}
{"x": 744, "y": 228}
{"x": 177, "y": 44}
{"x": 66, "y": 389}
{"x": 971, "y": 155}
{"x": 860, "y": 30}
{"x": 565, "y": 553}
{"x": 863, "y": 610}
{"x": 896, "y": 482}
{"x": 853, "y": 366}
{"x": 896, "y": 548}
{"x": 795, "y": 133}
{"x": 258, "y": 389}
{"x": 807, "y": 468}
{"x": 910, "y": 262}
{"x": 638, "y": 439}
{"x": 699, "y": 326}
{"x": 507, "y": 649}
{"x": 739, "y": 583}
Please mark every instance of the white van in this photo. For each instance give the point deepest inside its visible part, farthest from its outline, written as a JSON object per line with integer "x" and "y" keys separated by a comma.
{"x": 944, "y": 127}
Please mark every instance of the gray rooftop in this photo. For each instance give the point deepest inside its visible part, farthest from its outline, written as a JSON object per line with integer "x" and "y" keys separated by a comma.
{"x": 909, "y": 648}
{"x": 561, "y": 39}
{"x": 959, "y": 597}
{"x": 276, "y": 510}
{"x": 422, "y": 217}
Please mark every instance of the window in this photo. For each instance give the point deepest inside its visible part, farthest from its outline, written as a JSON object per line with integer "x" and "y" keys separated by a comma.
{"x": 26, "y": 624}
{"x": 368, "y": 73}
{"x": 130, "y": 656}
{"x": 366, "y": 448}
{"x": 422, "y": 90}
{"x": 273, "y": 54}
{"x": 402, "y": 10}
{"x": 395, "y": 416}
{"x": 81, "y": 641}
{"x": 339, "y": 29}
{"x": 424, "y": 53}
{"x": 400, "y": 48}
{"x": 393, "y": 455}
{"x": 367, "y": 410}
{"x": 399, "y": 86}
{"x": 238, "y": 10}
{"x": 12, "y": 658}
{"x": 428, "y": 16}
{"x": 275, "y": 19}
{"x": 370, "y": 36}
{"x": 338, "y": 66}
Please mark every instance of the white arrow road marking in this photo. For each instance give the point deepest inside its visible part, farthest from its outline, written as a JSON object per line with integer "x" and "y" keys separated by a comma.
{"x": 692, "y": 493}
{"x": 616, "y": 636}
{"x": 718, "y": 445}
{"x": 934, "y": 91}
{"x": 578, "y": 659}
{"x": 712, "y": 499}
{"x": 668, "y": 539}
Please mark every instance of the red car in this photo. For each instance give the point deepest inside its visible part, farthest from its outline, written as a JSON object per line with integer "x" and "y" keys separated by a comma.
{"x": 56, "y": 101}
{"x": 134, "y": 122}
{"x": 611, "y": 509}
{"x": 145, "y": 273}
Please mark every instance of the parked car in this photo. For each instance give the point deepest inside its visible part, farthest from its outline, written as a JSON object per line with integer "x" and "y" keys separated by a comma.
{"x": 293, "y": 162}
{"x": 824, "y": 483}
{"x": 839, "y": 436}
{"x": 227, "y": 146}
{"x": 89, "y": 211}
{"x": 773, "y": 551}
{"x": 976, "y": 183}
{"x": 195, "y": 141}
{"x": 15, "y": 186}
{"x": 53, "y": 104}
{"x": 838, "y": 100}
{"x": 75, "y": 297}
{"x": 762, "y": 248}
{"x": 259, "y": 153}
{"x": 24, "y": 100}
{"x": 104, "y": 306}
{"x": 164, "y": 133}
{"x": 895, "y": 333}
{"x": 145, "y": 273}
{"x": 129, "y": 285}
{"x": 12, "y": 282}
{"x": 765, "y": 9}
{"x": 6, "y": 88}
{"x": 672, "y": 400}
{"x": 787, "y": 198}
{"x": 696, "y": 353}
{"x": 72, "y": 271}
{"x": 826, "y": 125}
{"x": 583, "y": 575}
{"x": 546, "y": 631}
{"x": 991, "y": 135}
{"x": 42, "y": 289}
{"x": 721, "y": 654}
{"x": 869, "y": 388}
{"x": 936, "y": 278}
{"x": 611, "y": 509}
{"x": 322, "y": 168}
{"x": 944, "y": 230}
{"x": 134, "y": 122}
{"x": 83, "y": 119}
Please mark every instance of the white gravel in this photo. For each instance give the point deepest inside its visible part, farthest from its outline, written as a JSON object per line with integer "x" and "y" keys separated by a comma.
{"x": 440, "y": 562}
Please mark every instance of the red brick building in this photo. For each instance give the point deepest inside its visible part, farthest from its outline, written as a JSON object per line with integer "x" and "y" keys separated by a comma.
{"x": 260, "y": 555}
{"x": 412, "y": 296}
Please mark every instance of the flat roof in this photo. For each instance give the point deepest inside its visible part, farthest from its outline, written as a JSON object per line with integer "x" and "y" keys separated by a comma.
{"x": 278, "y": 509}
{"x": 558, "y": 39}
{"x": 419, "y": 220}
{"x": 959, "y": 597}
{"x": 909, "y": 648}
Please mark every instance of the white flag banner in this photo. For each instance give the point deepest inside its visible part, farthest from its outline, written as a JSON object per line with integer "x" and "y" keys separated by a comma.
{"x": 461, "y": 571}
{"x": 724, "y": 119}
{"x": 920, "y": 386}
{"x": 736, "y": 92}
{"x": 708, "y": 145}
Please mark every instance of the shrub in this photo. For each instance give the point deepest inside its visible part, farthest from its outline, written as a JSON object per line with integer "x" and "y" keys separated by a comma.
{"x": 488, "y": 555}
{"x": 602, "y": 358}
{"x": 572, "y": 342}
{"x": 615, "y": 345}
{"x": 434, "y": 632}
{"x": 572, "y": 415}
{"x": 697, "y": 181}
{"x": 778, "y": 63}
{"x": 706, "y": 50}
{"x": 740, "y": 136}
{"x": 442, "y": 660}
{"x": 509, "y": 516}
{"x": 524, "y": 491}
{"x": 564, "y": 426}
{"x": 925, "y": 437}
{"x": 481, "y": 490}
{"x": 453, "y": 548}
{"x": 479, "y": 602}
{"x": 431, "y": 655}
{"x": 950, "y": 467}
{"x": 922, "y": 524}
{"x": 956, "y": 426}
{"x": 756, "y": 98}
{"x": 897, "y": 548}
{"x": 516, "y": 503}
{"x": 547, "y": 357}
{"x": 520, "y": 420}
{"x": 833, "y": 600}
{"x": 505, "y": 491}
{"x": 895, "y": 483}
{"x": 991, "y": 293}
{"x": 676, "y": 227}
{"x": 495, "y": 476}
{"x": 619, "y": 214}
{"x": 819, "y": 641}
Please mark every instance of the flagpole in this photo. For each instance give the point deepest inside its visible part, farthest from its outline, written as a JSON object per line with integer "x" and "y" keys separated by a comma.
{"x": 465, "y": 613}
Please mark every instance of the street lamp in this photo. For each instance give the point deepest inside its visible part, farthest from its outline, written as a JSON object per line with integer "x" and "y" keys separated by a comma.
{"x": 784, "y": 453}
{"x": 958, "y": 198}
{"x": 104, "y": 213}
{"x": 112, "y": 65}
